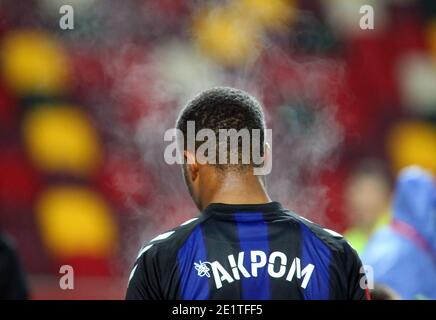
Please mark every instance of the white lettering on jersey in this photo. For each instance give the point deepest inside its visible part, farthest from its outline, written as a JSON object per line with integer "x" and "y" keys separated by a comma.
{"x": 296, "y": 269}
{"x": 277, "y": 268}
{"x": 281, "y": 257}
{"x": 220, "y": 274}
{"x": 255, "y": 264}
{"x": 238, "y": 267}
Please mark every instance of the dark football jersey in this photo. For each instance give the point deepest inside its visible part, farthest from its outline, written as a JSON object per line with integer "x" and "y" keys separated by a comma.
{"x": 247, "y": 252}
{"x": 12, "y": 280}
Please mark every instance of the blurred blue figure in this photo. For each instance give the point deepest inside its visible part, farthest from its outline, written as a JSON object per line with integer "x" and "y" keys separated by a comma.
{"x": 403, "y": 254}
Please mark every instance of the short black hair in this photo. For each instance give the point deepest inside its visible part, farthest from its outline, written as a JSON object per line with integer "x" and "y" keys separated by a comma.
{"x": 224, "y": 108}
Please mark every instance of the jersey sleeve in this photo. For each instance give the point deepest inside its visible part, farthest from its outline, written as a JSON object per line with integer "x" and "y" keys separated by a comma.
{"x": 144, "y": 279}
{"x": 12, "y": 281}
{"x": 355, "y": 275}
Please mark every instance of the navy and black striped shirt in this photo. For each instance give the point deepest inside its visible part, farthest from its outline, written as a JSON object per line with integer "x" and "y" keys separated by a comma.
{"x": 259, "y": 251}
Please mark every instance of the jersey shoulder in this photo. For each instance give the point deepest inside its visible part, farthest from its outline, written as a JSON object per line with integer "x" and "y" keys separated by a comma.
{"x": 332, "y": 239}
{"x": 172, "y": 237}
{"x": 162, "y": 249}
{"x": 344, "y": 257}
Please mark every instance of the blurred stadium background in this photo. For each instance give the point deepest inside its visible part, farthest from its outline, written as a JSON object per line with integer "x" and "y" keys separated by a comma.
{"x": 82, "y": 114}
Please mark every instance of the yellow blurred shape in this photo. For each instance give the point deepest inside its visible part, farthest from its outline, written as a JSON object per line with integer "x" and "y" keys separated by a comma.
{"x": 34, "y": 63}
{"x": 61, "y": 139}
{"x": 75, "y": 221}
{"x": 412, "y": 143}
{"x": 272, "y": 14}
{"x": 226, "y": 36}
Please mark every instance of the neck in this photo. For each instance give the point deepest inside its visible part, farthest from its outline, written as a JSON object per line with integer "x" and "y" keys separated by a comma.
{"x": 237, "y": 189}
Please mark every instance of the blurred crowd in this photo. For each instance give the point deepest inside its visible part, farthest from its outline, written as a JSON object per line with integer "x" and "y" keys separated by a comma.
{"x": 83, "y": 180}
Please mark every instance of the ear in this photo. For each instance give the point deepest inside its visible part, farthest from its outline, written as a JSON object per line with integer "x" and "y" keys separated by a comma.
{"x": 191, "y": 165}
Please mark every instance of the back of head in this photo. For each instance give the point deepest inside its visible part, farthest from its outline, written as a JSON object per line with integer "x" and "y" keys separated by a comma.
{"x": 219, "y": 109}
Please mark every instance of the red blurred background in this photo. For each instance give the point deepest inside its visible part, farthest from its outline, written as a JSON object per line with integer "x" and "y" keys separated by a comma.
{"x": 82, "y": 115}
